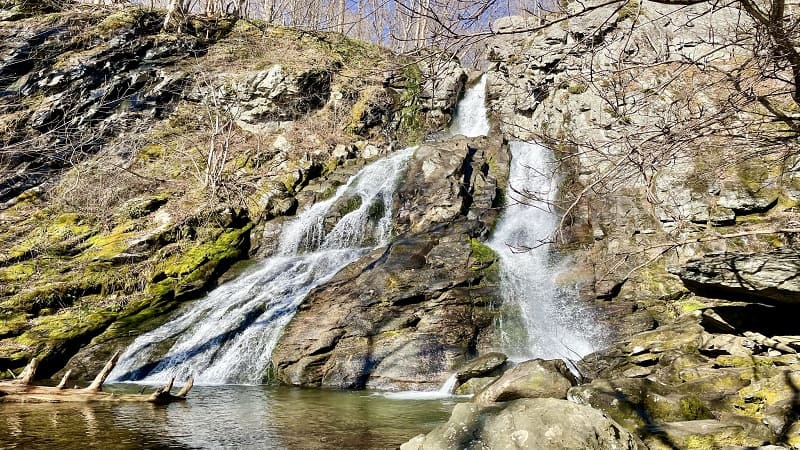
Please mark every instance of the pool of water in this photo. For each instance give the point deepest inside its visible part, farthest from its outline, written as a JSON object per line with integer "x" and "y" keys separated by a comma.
{"x": 257, "y": 417}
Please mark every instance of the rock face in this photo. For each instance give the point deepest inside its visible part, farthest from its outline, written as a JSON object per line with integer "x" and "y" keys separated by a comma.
{"x": 404, "y": 316}
{"x": 772, "y": 277}
{"x": 265, "y": 99}
{"x": 542, "y": 423}
{"x": 89, "y": 94}
{"x": 443, "y": 82}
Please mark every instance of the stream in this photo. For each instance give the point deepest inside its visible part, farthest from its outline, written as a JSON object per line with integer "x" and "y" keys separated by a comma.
{"x": 231, "y": 416}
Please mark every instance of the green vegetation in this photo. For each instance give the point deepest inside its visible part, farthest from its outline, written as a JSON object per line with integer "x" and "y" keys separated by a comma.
{"x": 629, "y": 10}
{"x": 410, "y": 113}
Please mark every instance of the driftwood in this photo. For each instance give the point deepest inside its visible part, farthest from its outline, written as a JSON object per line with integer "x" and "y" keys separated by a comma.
{"x": 21, "y": 389}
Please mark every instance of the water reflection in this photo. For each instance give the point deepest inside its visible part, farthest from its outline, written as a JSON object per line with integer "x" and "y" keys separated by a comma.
{"x": 226, "y": 417}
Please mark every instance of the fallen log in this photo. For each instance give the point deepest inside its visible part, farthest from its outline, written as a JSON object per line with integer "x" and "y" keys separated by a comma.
{"x": 22, "y": 390}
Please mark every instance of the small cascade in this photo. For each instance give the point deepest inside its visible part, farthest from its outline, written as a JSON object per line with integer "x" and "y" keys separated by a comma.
{"x": 446, "y": 391}
{"x": 551, "y": 324}
{"x": 471, "y": 119}
{"x": 449, "y": 385}
{"x": 228, "y": 336}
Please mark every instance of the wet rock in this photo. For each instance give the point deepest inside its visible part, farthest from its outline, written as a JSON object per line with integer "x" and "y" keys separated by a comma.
{"x": 405, "y": 316}
{"x": 531, "y": 379}
{"x": 772, "y": 277}
{"x": 480, "y": 366}
{"x": 541, "y": 423}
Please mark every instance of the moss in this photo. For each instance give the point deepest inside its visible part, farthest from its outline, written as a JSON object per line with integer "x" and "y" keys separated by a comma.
{"x": 690, "y": 305}
{"x": 192, "y": 270}
{"x": 116, "y": 22}
{"x": 410, "y": 125}
{"x": 13, "y": 325}
{"x": 152, "y": 151}
{"x": 330, "y": 190}
{"x": 482, "y": 253}
{"x": 692, "y": 408}
{"x": 629, "y": 10}
{"x": 577, "y": 89}
{"x": 108, "y": 245}
{"x": 365, "y": 99}
{"x": 49, "y": 235}
{"x": 55, "y": 338}
{"x": 376, "y": 210}
{"x": 141, "y": 207}
{"x": 761, "y": 364}
{"x": 349, "y": 205}
{"x": 17, "y": 272}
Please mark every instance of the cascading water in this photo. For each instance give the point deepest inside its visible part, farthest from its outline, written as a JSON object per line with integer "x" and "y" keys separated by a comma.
{"x": 551, "y": 324}
{"x": 228, "y": 336}
{"x": 471, "y": 119}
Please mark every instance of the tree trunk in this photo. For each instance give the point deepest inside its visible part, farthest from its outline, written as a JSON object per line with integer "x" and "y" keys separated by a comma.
{"x": 21, "y": 390}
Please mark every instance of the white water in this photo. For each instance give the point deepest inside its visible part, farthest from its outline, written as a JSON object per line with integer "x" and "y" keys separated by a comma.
{"x": 445, "y": 391}
{"x": 449, "y": 385}
{"x": 228, "y": 336}
{"x": 552, "y": 323}
{"x": 471, "y": 119}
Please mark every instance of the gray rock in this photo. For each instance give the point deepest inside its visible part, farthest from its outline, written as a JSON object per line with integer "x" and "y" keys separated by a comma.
{"x": 743, "y": 199}
{"x": 474, "y": 385}
{"x": 404, "y": 316}
{"x": 772, "y": 277}
{"x": 481, "y": 366}
{"x": 443, "y": 80}
{"x": 542, "y": 424}
{"x": 531, "y": 379}
{"x": 712, "y": 433}
{"x": 264, "y": 101}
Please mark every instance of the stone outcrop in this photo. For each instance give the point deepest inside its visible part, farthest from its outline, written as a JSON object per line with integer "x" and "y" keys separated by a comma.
{"x": 90, "y": 91}
{"x": 443, "y": 82}
{"x": 772, "y": 277}
{"x": 264, "y": 101}
{"x": 541, "y": 423}
{"x": 405, "y": 315}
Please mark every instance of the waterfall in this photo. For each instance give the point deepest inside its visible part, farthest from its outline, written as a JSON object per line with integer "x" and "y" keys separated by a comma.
{"x": 543, "y": 320}
{"x": 551, "y": 323}
{"x": 228, "y": 336}
{"x": 449, "y": 385}
{"x": 471, "y": 119}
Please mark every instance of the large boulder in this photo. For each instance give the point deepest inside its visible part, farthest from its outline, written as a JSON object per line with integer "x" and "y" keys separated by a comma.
{"x": 541, "y": 423}
{"x": 404, "y": 316}
{"x": 772, "y": 277}
{"x": 530, "y": 379}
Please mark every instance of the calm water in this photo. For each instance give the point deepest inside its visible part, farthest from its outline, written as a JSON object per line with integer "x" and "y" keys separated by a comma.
{"x": 226, "y": 417}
